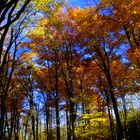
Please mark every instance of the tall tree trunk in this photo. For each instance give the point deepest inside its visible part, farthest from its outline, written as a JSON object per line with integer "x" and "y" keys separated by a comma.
{"x": 72, "y": 120}
{"x": 115, "y": 108}
{"x": 12, "y": 124}
{"x": 33, "y": 126}
{"x": 57, "y": 103}
{"x": 2, "y": 119}
{"x": 57, "y": 121}
{"x": 125, "y": 114}
{"x": 32, "y": 115}
{"x": 111, "y": 121}
{"x": 40, "y": 131}
{"x": 26, "y": 128}
{"x": 47, "y": 122}
{"x": 37, "y": 124}
{"x": 68, "y": 125}
{"x": 17, "y": 127}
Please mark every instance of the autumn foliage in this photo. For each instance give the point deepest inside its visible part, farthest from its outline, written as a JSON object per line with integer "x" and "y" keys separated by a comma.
{"x": 76, "y": 73}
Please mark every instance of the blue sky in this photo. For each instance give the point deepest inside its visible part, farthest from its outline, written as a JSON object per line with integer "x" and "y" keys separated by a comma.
{"x": 82, "y": 3}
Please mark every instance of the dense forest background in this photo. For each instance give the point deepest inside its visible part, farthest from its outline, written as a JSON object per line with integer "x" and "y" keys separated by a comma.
{"x": 69, "y": 72}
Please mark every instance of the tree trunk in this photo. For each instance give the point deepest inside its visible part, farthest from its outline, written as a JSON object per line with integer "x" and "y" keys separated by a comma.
{"x": 57, "y": 103}
{"x": 47, "y": 122}
{"x": 68, "y": 125}
{"x": 115, "y": 108}
{"x": 37, "y": 124}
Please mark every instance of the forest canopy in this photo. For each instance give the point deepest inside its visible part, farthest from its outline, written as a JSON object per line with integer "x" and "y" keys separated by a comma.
{"x": 69, "y": 72}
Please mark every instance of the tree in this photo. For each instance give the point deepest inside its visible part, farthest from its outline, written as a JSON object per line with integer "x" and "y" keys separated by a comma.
{"x": 9, "y": 15}
{"x": 83, "y": 63}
